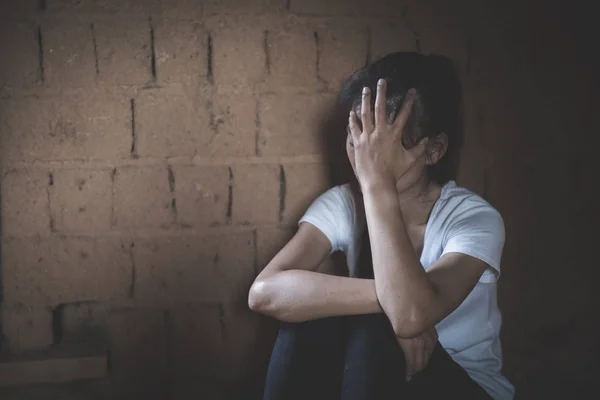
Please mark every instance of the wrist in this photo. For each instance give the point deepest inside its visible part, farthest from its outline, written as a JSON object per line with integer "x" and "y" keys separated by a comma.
{"x": 379, "y": 188}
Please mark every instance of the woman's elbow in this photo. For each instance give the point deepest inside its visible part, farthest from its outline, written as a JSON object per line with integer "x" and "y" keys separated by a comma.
{"x": 258, "y": 297}
{"x": 264, "y": 298}
{"x": 408, "y": 326}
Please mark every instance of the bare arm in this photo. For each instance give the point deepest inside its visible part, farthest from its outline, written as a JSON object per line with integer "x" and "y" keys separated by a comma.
{"x": 413, "y": 299}
{"x": 290, "y": 290}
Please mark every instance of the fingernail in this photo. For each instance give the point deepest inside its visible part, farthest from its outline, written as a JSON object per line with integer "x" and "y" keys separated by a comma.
{"x": 365, "y": 90}
{"x": 381, "y": 82}
{"x": 412, "y": 92}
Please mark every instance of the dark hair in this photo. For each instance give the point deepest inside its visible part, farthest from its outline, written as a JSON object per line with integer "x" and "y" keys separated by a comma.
{"x": 437, "y": 107}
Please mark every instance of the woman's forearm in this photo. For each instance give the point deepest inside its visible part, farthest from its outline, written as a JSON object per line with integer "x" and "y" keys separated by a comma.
{"x": 298, "y": 295}
{"x": 403, "y": 288}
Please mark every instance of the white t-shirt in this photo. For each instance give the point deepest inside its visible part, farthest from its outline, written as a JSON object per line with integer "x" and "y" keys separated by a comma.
{"x": 460, "y": 222}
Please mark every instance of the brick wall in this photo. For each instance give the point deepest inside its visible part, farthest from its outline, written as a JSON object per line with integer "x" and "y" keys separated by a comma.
{"x": 156, "y": 153}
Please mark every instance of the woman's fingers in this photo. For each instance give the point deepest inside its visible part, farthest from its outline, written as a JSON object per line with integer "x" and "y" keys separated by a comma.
{"x": 353, "y": 127}
{"x": 402, "y": 117}
{"x": 412, "y": 359}
{"x": 420, "y": 359}
{"x": 410, "y": 365}
{"x": 365, "y": 111}
{"x": 380, "y": 111}
{"x": 417, "y": 151}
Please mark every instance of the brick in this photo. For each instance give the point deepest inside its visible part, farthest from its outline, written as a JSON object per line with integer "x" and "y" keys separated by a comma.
{"x": 56, "y": 270}
{"x": 182, "y": 9}
{"x": 78, "y": 125}
{"x": 421, "y": 16}
{"x": 71, "y": 5}
{"x": 269, "y": 240}
{"x": 124, "y": 53}
{"x": 321, "y": 7}
{"x": 171, "y": 122}
{"x": 239, "y": 56}
{"x": 25, "y": 209}
{"x": 303, "y": 184}
{"x": 18, "y": 8}
{"x": 137, "y": 344}
{"x": 190, "y": 270}
{"x": 214, "y": 341}
{"x": 292, "y": 68}
{"x": 69, "y": 58}
{"x": 202, "y": 195}
{"x": 20, "y": 52}
{"x": 82, "y": 322}
{"x": 391, "y": 9}
{"x": 137, "y": 8}
{"x": 292, "y": 124}
{"x": 389, "y": 37}
{"x": 181, "y": 52}
{"x": 235, "y": 120}
{"x": 81, "y": 201}
{"x": 214, "y": 7}
{"x": 139, "y": 193}
{"x": 256, "y": 194}
{"x": 343, "y": 49}
{"x": 446, "y": 42}
{"x": 134, "y": 7}
{"x": 26, "y": 328}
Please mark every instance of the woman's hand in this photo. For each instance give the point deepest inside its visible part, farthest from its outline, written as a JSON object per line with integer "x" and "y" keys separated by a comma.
{"x": 417, "y": 351}
{"x": 380, "y": 157}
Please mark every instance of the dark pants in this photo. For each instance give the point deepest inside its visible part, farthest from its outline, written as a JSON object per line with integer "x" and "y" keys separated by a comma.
{"x": 357, "y": 358}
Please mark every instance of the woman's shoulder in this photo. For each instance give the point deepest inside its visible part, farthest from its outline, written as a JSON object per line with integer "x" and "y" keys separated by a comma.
{"x": 333, "y": 212}
{"x": 459, "y": 203}
{"x": 340, "y": 194}
{"x": 466, "y": 223}
{"x": 336, "y": 202}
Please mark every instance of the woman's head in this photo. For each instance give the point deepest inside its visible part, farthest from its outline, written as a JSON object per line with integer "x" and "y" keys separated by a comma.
{"x": 436, "y": 113}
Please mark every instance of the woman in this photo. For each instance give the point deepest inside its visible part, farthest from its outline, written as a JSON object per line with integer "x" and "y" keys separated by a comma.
{"x": 428, "y": 266}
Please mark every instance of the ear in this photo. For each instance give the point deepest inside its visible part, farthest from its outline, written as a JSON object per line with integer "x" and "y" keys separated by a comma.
{"x": 436, "y": 148}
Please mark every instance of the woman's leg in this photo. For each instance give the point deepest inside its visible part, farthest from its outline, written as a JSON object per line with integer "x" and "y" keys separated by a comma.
{"x": 307, "y": 361}
{"x": 374, "y": 367}
{"x": 443, "y": 377}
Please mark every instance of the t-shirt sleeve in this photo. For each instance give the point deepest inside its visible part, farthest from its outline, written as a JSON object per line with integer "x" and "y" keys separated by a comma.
{"x": 332, "y": 213}
{"x": 478, "y": 231}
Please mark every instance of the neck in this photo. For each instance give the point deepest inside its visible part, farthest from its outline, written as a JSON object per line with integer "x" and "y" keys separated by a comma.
{"x": 417, "y": 200}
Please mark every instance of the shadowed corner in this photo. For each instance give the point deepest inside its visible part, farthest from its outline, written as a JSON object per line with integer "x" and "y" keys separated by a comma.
{"x": 1, "y": 258}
